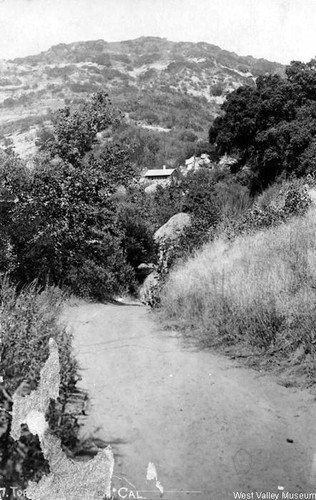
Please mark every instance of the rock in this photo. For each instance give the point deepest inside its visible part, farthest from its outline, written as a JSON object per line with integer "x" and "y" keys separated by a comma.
{"x": 173, "y": 228}
{"x": 165, "y": 238}
{"x": 143, "y": 270}
{"x": 151, "y": 188}
{"x": 312, "y": 194}
{"x": 147, "y": 292}
{"x": 144, "y": 266}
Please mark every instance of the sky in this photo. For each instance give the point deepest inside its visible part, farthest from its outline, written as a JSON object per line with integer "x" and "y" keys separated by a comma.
{"x": 278, "y": 30}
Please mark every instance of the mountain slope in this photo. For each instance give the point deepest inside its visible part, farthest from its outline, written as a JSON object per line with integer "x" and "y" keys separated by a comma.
{"x": 156, "y": 82}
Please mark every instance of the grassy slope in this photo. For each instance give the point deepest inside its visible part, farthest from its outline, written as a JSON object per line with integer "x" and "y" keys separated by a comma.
{"x": 258, "y": 291}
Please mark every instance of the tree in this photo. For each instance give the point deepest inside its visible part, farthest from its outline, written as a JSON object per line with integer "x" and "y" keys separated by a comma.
{"x": 14, "y": 181}
{"x": 200, "y": 197}
{"x": 64, "y": 231}
{"x": 75, "y": 129}
{"x": 270, "y": 127}
{"x": 67, "y": 227}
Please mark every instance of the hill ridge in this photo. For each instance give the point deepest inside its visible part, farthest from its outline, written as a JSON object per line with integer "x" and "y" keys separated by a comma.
{"x": 156, "y": 82}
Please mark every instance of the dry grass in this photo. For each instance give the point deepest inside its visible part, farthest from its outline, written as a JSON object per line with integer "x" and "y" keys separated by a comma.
{"x": 259, "y": 290}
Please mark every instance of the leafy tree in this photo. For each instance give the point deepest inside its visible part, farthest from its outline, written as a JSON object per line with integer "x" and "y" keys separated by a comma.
{"x": 14, "y": 175}
{"x": 201, "y": 200}
{"x": 111, "y": 165}
{"x": 14, "y": 181}
{"x": 270, "y": 127}
{"x": 67, "y": 226}
{"x": 64, "y": 229}
{"x": 75, "y": 129}
{"x": 165, "y": 202}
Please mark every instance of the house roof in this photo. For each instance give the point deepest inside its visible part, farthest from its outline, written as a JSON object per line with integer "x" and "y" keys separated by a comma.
{"x": 159, "y": 172}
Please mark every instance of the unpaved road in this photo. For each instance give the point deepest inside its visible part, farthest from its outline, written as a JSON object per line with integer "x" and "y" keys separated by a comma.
{"x": 208, "y": 424}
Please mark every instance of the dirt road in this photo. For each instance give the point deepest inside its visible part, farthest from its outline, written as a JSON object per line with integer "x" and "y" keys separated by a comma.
{"x": 208, "y": 425}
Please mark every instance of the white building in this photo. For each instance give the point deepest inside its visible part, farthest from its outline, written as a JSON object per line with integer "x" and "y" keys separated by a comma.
{"x": 159, "y": 175}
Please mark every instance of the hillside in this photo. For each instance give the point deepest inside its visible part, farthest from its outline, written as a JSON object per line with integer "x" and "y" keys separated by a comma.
{"x": 159, "y": 84}
{"x": 250, "y": 291}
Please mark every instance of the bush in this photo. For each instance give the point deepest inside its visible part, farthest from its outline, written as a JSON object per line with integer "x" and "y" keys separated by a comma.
{"x": 217, "y": 90}
{"x": 276, "y": 205}
{"x": 101, "y": 280}
{"x": 9, "y": 103}
{"x": 28, "y": 319}
{"x": 201, "y": 202}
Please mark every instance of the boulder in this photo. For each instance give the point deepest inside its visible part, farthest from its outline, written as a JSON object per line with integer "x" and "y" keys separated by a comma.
{"x": 312, "y": 194}
{"x": 173, "y": 228}
{"x": 144, "y": 266}
{"x": 151, "y": 188}
{"x": 143, "y": 270}
{"x": 165, "y": 238}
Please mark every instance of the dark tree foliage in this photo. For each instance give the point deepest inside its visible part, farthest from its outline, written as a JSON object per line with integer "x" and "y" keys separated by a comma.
{"x": 67, "y": 227}
{"x": 271, "y": 127}
{"x": 165, "y": 202}
{"x": 66, "y": 231}
{"x": 138, "y": 240}
{"x": 201, "y": 201}
{"x": 14, "y": 183}
{"x": 111, "y": 164}
{"x": 200, "y": 195}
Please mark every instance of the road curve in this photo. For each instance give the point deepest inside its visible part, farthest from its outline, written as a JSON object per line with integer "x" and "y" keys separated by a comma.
{"x": 211, "y": 427}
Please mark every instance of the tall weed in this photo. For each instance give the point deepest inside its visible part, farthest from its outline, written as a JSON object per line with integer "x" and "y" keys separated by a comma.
{"x": 259, "y": 289}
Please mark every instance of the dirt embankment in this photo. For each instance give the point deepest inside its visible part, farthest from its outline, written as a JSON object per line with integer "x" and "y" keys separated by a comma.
{"x": 210, "y": 426}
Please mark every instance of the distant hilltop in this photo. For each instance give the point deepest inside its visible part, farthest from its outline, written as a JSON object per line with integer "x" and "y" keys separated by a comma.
{"x": 156, "y": 82}
{"x": 155, "y": 48}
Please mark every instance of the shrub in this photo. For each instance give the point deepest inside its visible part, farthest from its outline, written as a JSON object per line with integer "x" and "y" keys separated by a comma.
{"x": 28, "y": 319}
{"x": 101, "y": 280}
{"x": 9, "y": 103}
{"x": 276, "y": 205}
{"x": 217, "y": 90}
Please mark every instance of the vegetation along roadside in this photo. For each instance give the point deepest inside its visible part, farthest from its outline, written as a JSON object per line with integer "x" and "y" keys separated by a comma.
{"x": 80, "y": 220}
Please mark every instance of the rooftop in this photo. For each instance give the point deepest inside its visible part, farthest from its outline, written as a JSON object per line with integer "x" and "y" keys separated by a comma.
{"x": 159, "y": 172}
